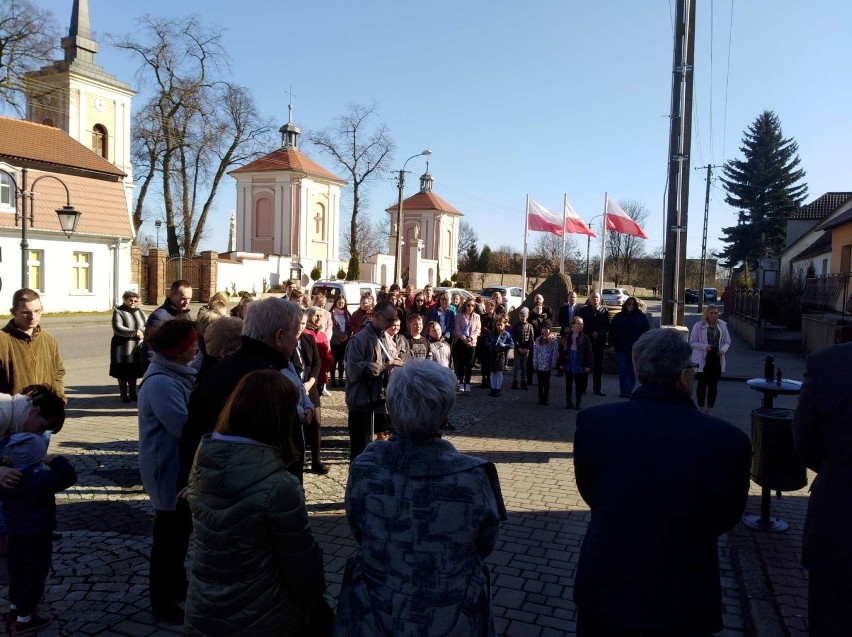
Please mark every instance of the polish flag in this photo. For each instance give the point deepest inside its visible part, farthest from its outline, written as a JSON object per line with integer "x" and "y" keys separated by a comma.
{"x": 620, "y": 221}
{"x": 543, "y": 220}
{"x": 573, "y": 223}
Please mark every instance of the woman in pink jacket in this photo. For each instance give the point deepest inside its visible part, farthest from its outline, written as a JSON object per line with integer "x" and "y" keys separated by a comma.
{"x": 710, "y": 341}
{"x": 465, "y": 333}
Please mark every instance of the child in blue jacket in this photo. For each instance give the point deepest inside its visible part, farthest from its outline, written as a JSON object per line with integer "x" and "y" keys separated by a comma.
{"x": 499, "y": 343}
{"x": 30, "y": 511}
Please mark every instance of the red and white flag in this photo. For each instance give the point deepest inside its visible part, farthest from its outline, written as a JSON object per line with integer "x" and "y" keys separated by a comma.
{"x": 620, "y": 221}
{"x": 573, "y": 223}
{"x": 543, "y": 220}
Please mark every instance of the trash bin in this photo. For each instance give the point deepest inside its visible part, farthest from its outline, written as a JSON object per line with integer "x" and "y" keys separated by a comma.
{"x": 774, "y": 464}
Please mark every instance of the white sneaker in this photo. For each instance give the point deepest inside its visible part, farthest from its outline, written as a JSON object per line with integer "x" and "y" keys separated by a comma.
{"x": 325, "y": 391}
{"x": 467, "y": 389}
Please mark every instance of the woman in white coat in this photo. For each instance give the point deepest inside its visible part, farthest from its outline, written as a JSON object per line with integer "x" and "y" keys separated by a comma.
{"x": 710, "y": 341}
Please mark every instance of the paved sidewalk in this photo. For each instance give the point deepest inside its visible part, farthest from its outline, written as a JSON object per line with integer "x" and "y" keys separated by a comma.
{"x": 99, "y": 580}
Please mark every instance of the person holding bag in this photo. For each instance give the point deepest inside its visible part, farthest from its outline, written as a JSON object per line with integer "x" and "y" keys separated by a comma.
{"x": 710, "y": 341}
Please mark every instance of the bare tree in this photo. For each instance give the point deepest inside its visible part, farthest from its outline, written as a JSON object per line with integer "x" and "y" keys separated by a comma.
{"x": 468, "y": 253}
{"x": 364, "y": 150}
{"x": 546, "y": 254}
{"x": 195, "y": 125}
{"x": 372, "y": 238}
{"x": 503, "y": 259}
{"x": 623, "y": 249}
{"x": 28, "y": 37}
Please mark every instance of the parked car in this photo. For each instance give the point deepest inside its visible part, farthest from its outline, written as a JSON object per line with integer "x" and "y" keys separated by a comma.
{"x": 352, "y": 290}
{"x": 464, "y": 293}
{"x": 710, "y": 295}
{"x": 513, "y": 296}
{"x": 614, "y": 297}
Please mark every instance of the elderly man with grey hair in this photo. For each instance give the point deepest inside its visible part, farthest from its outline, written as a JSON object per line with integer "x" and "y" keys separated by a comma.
{"x": 268, "y": 338}
{"x": 663, "y": 481}
{"x": 425, "y": 518}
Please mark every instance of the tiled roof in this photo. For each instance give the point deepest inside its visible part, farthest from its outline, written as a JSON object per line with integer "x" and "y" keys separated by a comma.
{"x": 287, "y": 158}
{"x": 426, "y": 201}
{"x": 821, "y": 207}
{"x": 818, "y": 247}
{"x": 840, "y": 219}
{"x": 101, "y": 202}
{"x": 27, "y": 141}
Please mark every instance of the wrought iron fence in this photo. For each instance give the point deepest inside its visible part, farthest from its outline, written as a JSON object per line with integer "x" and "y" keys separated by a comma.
{"x": 828, "y": 293}
{"x": 747, "y": 304}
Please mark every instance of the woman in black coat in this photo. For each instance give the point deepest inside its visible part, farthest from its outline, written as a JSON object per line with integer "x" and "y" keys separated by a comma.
{"x": 125, "y": 360}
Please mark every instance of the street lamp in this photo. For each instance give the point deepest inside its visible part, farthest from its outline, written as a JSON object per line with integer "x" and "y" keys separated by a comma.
{"x": 157, "y": 225}
{"x": 588, "y": 243}
{"x": 67, "y": 214}
{"x": 397, "y": 269}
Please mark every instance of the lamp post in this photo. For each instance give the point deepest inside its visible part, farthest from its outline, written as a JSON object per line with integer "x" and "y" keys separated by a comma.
{"x": 68, "y": 215}
{"x": 588, "y": 243}
{"x": 397, "y": 269}
{"x": 158, "y": 224}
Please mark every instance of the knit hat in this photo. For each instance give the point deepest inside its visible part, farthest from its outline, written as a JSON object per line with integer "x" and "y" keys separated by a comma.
{"x": 546, "y": 323}
{"x": 26, "y": 449}
{"x": 524, "y": 311}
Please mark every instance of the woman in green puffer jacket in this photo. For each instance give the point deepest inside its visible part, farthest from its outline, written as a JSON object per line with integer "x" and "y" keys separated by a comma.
{"x": 257, "y": 569}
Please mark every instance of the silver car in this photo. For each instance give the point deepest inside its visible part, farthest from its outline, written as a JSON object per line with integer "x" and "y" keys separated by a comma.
{"x": 614, "y": 297}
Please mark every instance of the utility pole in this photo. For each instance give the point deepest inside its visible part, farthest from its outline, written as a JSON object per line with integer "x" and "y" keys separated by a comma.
{"x": 704, "y": 237}
{"x": 680, "y": 142}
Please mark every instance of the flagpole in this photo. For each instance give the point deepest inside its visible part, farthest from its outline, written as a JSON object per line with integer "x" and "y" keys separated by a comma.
{"x": 526, "y": 231}
{"x": 603, "y": 245}
{"x": 564, "y": 217}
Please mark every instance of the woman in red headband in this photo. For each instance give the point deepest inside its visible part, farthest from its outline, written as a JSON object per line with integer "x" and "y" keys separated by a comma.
{"x": 163, "y": 401}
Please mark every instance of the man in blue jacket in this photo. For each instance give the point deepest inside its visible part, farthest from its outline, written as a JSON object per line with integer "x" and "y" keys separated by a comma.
{"x": 663, "y": 481}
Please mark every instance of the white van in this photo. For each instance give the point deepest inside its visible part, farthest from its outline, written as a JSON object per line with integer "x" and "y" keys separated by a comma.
{"x": 351, "y": 290}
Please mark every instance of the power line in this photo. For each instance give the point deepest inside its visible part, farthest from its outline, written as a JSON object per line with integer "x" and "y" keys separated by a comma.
{"x": 712, "y": 12}
{"x": 727, "y": 79}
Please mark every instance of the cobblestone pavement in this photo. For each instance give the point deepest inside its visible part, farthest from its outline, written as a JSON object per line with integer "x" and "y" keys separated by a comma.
{"x": 99, "y": 581}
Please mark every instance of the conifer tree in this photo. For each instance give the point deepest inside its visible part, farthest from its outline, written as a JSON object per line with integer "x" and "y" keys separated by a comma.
{"x": 765, "y": 187}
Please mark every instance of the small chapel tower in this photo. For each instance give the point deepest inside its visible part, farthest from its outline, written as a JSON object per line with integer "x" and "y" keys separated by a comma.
{"x": 432, "y": 223}
{"x": 79, "y": 97}
{"x": 288, "y": 205}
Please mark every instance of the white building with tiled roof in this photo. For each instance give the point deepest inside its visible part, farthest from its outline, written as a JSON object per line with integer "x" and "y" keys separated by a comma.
{"x": 430, "y": 234}
{"x": 807, "y": 241}
{"x": 288, "y": 206}
{"x": 78, "y": 138}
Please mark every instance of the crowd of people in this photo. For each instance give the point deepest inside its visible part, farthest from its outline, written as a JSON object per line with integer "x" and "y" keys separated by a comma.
{"x": 229, "y": 405}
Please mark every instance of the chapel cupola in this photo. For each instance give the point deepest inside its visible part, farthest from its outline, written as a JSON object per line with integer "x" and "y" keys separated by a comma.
{"x": 290, "y": 132}
{"x": 79, "y": 45}
{"x": 426, "y": 180}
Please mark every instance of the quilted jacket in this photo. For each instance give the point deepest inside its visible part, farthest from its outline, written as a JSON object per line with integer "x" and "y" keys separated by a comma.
{"x": 257, "y": 567}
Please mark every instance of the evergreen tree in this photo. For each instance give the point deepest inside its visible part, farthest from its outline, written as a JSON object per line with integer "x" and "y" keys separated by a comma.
{"x": 764, "y": 187}
{"x": 486, "y": 260}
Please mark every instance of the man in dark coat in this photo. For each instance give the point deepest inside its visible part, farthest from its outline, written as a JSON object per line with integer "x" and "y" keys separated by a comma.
{"x": 823, "y": 435}
{"x": 176, "y": 306}
{"x": 596, "y": 325}
{"x": 269, "y": 336}
{"x": 663, "y": 481}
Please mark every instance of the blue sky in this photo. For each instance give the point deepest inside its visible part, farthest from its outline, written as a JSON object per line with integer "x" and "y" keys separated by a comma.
{"x": 539, "y": 98}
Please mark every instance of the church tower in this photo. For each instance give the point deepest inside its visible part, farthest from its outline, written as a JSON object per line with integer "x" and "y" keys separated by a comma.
{"x": 82, "y": 99}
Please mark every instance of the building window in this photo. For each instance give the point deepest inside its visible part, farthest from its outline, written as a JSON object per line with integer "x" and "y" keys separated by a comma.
{"x": 81, "y": 279}
{"x": 6, "y": 191}
{"x": 448, "y": 244}
{"x": 35, "y": 265}
{"x": 100, "y": 140}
